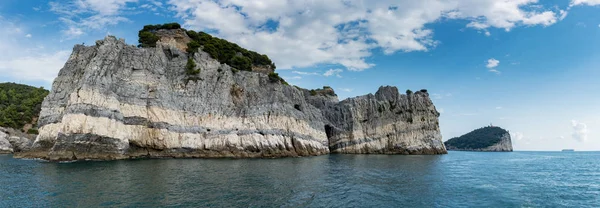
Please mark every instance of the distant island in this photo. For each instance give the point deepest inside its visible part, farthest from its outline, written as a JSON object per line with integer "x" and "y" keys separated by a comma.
{"x": 568, "y": 150}
{"x": 486, "y": 139}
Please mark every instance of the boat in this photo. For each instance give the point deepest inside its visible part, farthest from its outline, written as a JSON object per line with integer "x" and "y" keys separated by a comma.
{"x": 568, "y": 150}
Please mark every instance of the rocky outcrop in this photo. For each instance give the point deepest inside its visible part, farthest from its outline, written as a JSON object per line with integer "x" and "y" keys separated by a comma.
{"x": 12, "y": 140}
{"x": 5, "y": 146}
{"x": 116, "y": 101}
{"x": 487, "y": 139}
{"x": 384, "y": 123}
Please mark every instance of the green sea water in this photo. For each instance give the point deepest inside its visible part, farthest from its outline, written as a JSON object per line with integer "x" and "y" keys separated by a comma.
{"x": 458, "y": 179}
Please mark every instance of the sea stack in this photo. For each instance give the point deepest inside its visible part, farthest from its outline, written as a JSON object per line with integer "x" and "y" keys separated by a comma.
{"x": 486, "y": 139}
{"x": 174, "y": 98}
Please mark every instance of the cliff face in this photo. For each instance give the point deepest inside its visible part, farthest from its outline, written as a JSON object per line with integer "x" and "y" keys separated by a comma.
{"x": 116, "y": 101}
{"x": 487, "y": 139}
{"x": 384, "y": 123}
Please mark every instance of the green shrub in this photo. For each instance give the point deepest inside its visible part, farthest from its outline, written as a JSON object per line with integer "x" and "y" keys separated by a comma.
{"x": 147, "y": 39}
{"x": 226, "y": 52}
{"x": 274, "y": 77}
{"x": 241, "y": 63}
{"x": 222, "y": 50}
{"x": 146, "y": 36}
{"x": 408, "y": 92}
{"x": 423, "y": 90}
{"x": 32, "y": 131}
{"x": 193, "y": 46}
{"x": 191, "y": 67}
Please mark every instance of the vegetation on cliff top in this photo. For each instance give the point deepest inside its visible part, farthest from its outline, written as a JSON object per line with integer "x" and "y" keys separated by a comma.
{"x": 477, "y": 139}
{"x": 220, "y": 49}
{"x": 20, "y": 104}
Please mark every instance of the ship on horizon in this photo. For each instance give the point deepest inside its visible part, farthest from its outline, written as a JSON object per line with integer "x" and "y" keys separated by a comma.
{"x": 568, "y": 150}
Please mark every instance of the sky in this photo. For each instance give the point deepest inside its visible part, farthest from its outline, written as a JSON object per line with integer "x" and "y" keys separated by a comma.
{"x": 529, "y": 66}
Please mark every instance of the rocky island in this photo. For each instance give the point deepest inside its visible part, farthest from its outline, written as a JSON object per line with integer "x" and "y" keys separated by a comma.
{"x": 182, "y": 93}
{"x": 486, "y": 139}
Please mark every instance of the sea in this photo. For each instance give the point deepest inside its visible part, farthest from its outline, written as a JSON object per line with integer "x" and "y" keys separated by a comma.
{"x": 458, "y": 179}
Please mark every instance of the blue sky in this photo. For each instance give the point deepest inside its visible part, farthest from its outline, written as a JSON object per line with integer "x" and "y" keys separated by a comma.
{"x": 529, "y": 66}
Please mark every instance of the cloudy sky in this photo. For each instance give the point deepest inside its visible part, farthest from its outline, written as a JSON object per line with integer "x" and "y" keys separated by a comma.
{"x": 532, "y": 67}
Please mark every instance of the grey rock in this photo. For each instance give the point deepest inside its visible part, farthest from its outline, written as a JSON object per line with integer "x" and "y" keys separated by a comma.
{"x": 5, "y": 146}
{"x": 116, "y": 101}
{"x": 18, "y": 140}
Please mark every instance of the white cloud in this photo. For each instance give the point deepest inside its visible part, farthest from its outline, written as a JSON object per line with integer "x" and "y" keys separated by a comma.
{"x": 437, "y": 96}
{"x": 20, "y": 62}
{"x": 492, "y": 63}
{"x": 346, "y": 89}
{"x": 42, "y": 67}
{"x": 28, "y": 36}
{"x": 487, "y": 33}
{"x": 498, "y": 107}
{"x": 292, "y": 78}
{"x": 80, "y": 15}
{"x": 302, "y": 33}
{"x": 580, "y": 132}
{"x": 73, "y": 32}
{"x": 585, "y": 2}
{"x": 517, "y": 136}
{"x": 332, "y": 72}
{"x": 494, "y": 71}
{"x": 306, "y": 73}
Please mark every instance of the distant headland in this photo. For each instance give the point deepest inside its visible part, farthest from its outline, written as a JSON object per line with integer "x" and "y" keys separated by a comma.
{"x": 487, "y": 139}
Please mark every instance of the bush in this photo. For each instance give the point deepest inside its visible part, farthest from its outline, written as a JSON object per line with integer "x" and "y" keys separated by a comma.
{"x": 274, "y": 77}
{"x": 32, "y": 131}
{"x": 193, "y": 46}
{"x": 146, "y": 36}
{"x": 226, "y": 52}
{"x": 408, "y": 92}
{"x": 191, "y": 67}
{"x": 241, "y": 63}
{"x": 423, "y": 90}
{"x": 147, "y": 39}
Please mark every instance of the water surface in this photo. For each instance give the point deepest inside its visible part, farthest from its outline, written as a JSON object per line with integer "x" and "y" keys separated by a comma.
{"x": 459, "y": 179}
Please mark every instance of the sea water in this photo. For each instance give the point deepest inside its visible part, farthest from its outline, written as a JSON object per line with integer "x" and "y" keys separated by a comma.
{"x": 458, "y": 179}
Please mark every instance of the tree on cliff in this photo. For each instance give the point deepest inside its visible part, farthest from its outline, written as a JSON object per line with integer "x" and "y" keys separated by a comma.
{"x": 220, "y": 49}
{"x": 19, "y": 104}
{"x": 477, "y": 139}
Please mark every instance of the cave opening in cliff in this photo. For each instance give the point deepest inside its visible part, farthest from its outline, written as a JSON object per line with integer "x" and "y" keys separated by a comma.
{"x": 328, "y": 131}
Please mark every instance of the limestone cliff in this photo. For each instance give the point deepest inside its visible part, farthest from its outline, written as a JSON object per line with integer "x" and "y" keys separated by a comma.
{"x": 117, "y": 101}
{"x": 487, "y": 139}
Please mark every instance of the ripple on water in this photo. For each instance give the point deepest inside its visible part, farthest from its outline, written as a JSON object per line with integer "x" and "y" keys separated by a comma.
{"x": 459, "y": 179}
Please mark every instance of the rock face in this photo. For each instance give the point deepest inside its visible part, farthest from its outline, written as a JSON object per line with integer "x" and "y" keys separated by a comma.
{"x": 5, "y": 146}
{"x": 384, "y": 123}
{"x": 12, "y": 140}
{"x": 487, "y": 139}
{"x": 116, "y": 101}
